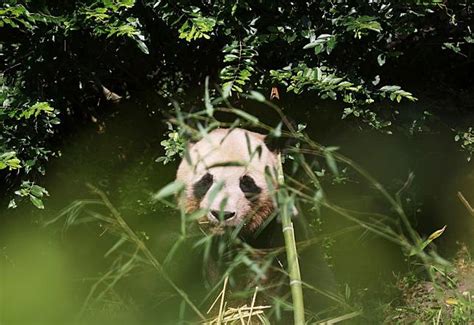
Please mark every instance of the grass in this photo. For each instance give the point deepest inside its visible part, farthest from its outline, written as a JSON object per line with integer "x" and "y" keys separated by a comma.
{"x": 447, "y": 300}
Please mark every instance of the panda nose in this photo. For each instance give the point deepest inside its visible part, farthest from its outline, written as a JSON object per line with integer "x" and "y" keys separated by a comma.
{"x": 226, "y": 214}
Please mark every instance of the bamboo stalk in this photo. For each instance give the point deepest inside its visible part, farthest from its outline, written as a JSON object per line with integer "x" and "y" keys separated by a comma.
{"x": 292, "y": 256}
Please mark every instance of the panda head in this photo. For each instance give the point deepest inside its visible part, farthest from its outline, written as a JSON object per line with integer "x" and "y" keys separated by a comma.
{"x": 225, "y": 174}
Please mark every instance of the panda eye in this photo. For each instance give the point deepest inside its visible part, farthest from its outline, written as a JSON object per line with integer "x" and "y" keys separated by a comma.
{"x": 248, "y": 186}
{"x": 201, "y": 187}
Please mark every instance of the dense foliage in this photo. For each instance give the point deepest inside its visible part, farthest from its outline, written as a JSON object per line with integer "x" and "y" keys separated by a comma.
{"x": 58, "y": 59}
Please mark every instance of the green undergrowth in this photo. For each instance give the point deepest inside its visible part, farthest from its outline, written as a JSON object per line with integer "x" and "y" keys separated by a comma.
{"x": 447, "y": 299}
{"x": 188, "y": 285}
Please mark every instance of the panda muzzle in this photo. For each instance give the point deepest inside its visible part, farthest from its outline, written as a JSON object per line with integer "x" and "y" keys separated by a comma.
{"x": 222, "y": 215}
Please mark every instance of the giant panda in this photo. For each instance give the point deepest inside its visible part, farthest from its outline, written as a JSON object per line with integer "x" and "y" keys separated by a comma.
{"x": 231, "y": 174}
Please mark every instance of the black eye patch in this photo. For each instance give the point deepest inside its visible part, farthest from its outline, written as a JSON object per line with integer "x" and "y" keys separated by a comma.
{"x": 203, "y": 185}
{"x": 248, "y": 186}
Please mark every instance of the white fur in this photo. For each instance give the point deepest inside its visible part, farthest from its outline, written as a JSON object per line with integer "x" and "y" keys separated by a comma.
{"x": 228, "y": 146}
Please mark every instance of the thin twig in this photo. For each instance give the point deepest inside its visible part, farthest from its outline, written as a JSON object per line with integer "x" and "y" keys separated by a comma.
{"x": 466, "y": 203}
{"x": 253, "y": 304}
{"x": 221, "y": 306}
{"x": 214, "y": 303}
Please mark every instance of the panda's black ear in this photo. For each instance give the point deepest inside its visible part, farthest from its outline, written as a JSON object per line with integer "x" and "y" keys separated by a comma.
{"x": 279, "y": 144}
{"x": 276, "y": 142}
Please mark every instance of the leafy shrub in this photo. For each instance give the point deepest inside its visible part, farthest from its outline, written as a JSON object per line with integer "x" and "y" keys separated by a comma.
{"x": 25, "y": 131}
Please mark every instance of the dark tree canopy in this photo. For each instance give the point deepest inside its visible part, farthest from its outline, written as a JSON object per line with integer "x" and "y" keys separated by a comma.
{"x": 57, "y": 57}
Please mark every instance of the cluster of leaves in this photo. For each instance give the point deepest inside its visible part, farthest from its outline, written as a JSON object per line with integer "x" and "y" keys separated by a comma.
{"x": 347, "y": 84}
{"x": 62, "y": 53}
{"x": 239, "y": 59}
{"x": 109, "y": 18}
{"x": 16, "y": 16}
{"x": 361, "y": 25}
{"x": 33, "y": 192}
{"x": 174, "y": 146}
{"x": 25, "y": 131}
{"x": 9, "y": 160}
{"x": 196, "y": 26}
{"x": 328, "y": 85}
{"x": 101, "y": 18}
{"x": 466, "y": 141}
{"x": 321, "y": 79}
{"x": 327, "y": 46}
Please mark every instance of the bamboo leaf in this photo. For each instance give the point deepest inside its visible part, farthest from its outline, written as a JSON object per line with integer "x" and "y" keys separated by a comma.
{"x": 257, "y": 96}
{"x": 436, "y": 234}
{"x": 207, "y": 100}
{"x": 37, "y": 202}
{"x": 170, "y": 189}
{"x": 252, "y": 119}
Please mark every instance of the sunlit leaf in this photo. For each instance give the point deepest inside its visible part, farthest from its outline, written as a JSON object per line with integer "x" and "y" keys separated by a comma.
{"x": 252, "y": 119}
{"x": 257, "y": 96}
{"x": 37, "y": 202}
{"x": 451, "y": 301}
{"x": 142, "y": 46}
{"x": 170, "y": 189}
{"x": 436, "y": 234}
{"x": 207, "y": 100}
{"x": 12, "y": 204}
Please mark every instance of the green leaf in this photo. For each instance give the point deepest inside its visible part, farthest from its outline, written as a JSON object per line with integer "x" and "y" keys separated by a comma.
{"x": 38, "y": 191}
{"x": 170, "y": 189}
{"x": 117, "y": 245}
{"x": 12, "y": 204}
{"x": 319, "y": 48}
{"x": 37, "y": 202}
{"x": 227, "y": 89}
{"x": 276, "y": 132}
{"x": 310, "y": 45}
{"x": 330, "y": 160}
{"x": 9, "y": 159}
{"x": 142, "y": 46}
{"x": 207, "y": 100}
{"x": 198, "y": 214}
{"x": 425, "y": 243}
{"x": 257, "y": 96}
{"x": 252, "y": 119}
{"x": 215, "y": 190}
{"x": 390, "y": 88}
{"x": 381, "y": 59}
{"x": 436, "y": 234}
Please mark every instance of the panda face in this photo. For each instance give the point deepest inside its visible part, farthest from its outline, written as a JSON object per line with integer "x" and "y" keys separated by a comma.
{"x": 225, "y": 175}
{"x": 230, "y": 198}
